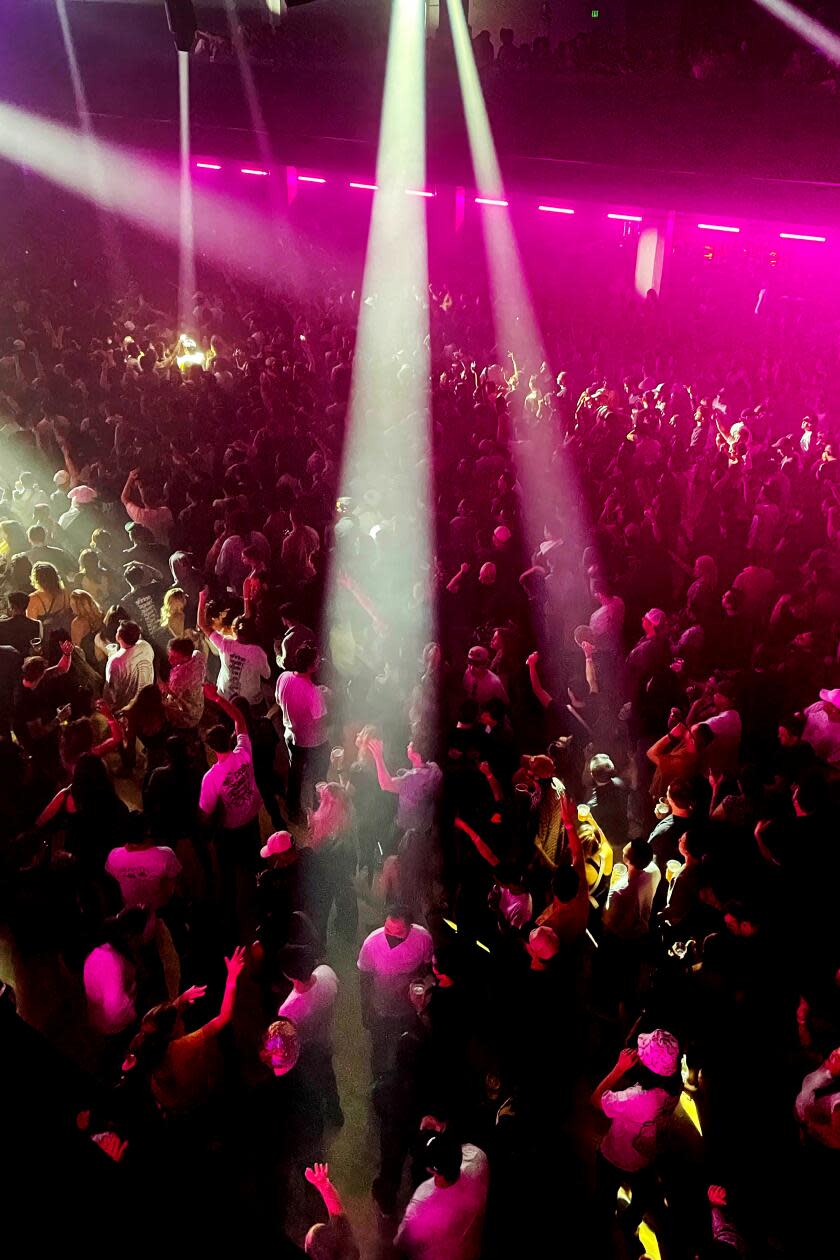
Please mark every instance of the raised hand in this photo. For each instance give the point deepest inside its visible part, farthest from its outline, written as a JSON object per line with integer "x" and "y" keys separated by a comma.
{"x": 235, "y": 963}
{"x": 192, "y": 994}
{"x": 111, "y": 1145}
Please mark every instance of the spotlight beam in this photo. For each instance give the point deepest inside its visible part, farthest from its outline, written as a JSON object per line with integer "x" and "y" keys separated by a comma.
{"x": 542, "y": 470}
{"x": 387, "y": 442}
{"x": 148, "y": 195}
{"x": 806, "y": 27}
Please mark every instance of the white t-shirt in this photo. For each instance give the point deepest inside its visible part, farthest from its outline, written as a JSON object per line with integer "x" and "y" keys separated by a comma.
{"x": 304, "y": 709}
{"x": 128, "y": 670}
{"x": 243, "y": 665}
{"x": 313, "y": 1011}
{"x": 393, "y": 968}
{"x": 445, "y": 1222}
{"x": 627, "y": 912}
{"x": 141, "y": 873}
{"x": 230, "y": 785}
{"x": 637, "y": 1116}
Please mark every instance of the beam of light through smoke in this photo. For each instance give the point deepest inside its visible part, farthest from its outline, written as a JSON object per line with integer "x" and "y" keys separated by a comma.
{"x": 385, "y": 469}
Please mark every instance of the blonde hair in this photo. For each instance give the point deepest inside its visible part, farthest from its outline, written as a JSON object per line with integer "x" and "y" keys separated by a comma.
{"x": 85, "y": 606}
{"x": 333, "y": 816}
{"x": 172, "y": 595}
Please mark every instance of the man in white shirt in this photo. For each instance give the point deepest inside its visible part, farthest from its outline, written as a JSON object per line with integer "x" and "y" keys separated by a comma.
{"x": 130, "y": 666}
{"x": 445, "y": 1215}
{"x": 389, "y": 959}
{"x": 244, "y": 664}
{"x": 229, "y": 796}
{"x": 145, "y": 871}
{"x": 304, "y": 710}
{"x": 311, "y": 1008}
{"x": 627, "y": 912}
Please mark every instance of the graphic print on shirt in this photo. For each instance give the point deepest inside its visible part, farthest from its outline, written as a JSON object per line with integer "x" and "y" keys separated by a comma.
{"x": 148, "y": 611}
{"x": 237, "y": 785}
{"x": 235, "y": 664}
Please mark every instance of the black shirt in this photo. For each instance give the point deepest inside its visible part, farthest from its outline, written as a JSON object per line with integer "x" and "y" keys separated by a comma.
{"x": 18, "y": 632}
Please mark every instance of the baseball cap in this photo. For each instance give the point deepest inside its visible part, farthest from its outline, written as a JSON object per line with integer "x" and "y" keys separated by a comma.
{"x": 82, "y": 494}
{"x": 659, "y": 1051}
{"x": 278, "y": 842}
{"x": 478, "y": 656}
{"x": 656, "y": 617}
{"x": 831, "y": 695}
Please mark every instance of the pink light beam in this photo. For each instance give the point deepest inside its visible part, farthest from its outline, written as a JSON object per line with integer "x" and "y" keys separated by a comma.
{"x": 491, "y": 201}
{"x": 800, "y": 236}
{"x": 252, "y": 170}
{"x": 555, "y": 209}
{"x": 208, "y": 166}
{"x": 717, "y": 227}
{"x": 626, "y": 218}
{"x": 311, "y": 179}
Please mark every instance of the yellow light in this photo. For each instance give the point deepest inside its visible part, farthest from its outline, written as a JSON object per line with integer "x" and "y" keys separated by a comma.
{"x": 649, "y": 1241}
{"x": 689, "y": 1106}
{"x": 450, "y": 924}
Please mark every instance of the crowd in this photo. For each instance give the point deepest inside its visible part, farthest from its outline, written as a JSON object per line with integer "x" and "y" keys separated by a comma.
{"x": 596, "y": 814}
{"x": 705, "y": 56}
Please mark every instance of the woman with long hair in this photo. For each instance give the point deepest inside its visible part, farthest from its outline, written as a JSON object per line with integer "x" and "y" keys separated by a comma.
{"x": 331, "y": 833}
{"x": 86, "y": 624}
{"x": 183, "y": 1069}
{"x": 89, "y": 811}
{"x": 49, "y": 602}
{"x": 146, "y": 719}
{"x": 173, "y": 612}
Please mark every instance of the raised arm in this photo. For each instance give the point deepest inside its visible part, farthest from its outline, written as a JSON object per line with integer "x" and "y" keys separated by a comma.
{"x": 115, "y": 733}
{"x": 201, "y": 616}
{"x": 127, "y": 496}
{"x": 55, "y": 671}
{"x": 484, "y": 849}
{"x": 625, "y": 1062}
{"x": 386, "y": 780}
{"x": 234, "y": 965}
{"x": 454, "y": 583}
{"x": 536, "y": 686}
{"x": 568, "y": 811}
{"x": 319, "y": 1177}
{"x": 55, "y": 806}
{"x": 236, "y": 715}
